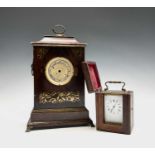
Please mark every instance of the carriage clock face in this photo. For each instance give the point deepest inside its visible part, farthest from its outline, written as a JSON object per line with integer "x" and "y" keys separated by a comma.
{"x": 59, "y": 71}
{"x": 113, "y": 109}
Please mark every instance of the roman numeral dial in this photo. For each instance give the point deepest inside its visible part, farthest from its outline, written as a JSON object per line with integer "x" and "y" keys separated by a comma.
{"x": 113, "y": 108}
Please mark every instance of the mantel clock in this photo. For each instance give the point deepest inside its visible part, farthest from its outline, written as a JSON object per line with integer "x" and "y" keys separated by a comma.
{"x": 59, "y": 97}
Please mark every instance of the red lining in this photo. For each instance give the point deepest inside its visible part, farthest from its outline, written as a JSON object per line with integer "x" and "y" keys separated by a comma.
{"x": 94, "y": 76}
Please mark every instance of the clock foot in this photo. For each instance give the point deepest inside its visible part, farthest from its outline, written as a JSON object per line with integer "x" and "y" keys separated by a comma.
{"x": 91, "y": 123}
{"x": 28, "y": 129}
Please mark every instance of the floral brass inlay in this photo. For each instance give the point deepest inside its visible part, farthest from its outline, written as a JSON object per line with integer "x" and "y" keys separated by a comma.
{"x": 59, "y": 97}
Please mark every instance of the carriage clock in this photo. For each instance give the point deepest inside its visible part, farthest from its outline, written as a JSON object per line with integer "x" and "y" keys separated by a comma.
{"x": 114, "y": 108}
{"x": 59, "y": 97}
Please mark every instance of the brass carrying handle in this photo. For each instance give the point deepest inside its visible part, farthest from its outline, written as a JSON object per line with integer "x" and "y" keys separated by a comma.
{"x": 115, "y": 82}
{"x": 59, "y": 30}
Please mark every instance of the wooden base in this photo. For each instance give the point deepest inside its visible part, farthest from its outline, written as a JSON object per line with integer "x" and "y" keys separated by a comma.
{"x": 58, "y": 118}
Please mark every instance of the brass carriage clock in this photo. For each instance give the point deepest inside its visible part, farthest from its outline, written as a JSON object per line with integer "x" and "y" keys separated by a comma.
{"x": 59, "y": 97}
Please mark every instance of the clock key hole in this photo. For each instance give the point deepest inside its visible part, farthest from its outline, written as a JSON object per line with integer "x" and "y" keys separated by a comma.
{"x": 59, "y": 71}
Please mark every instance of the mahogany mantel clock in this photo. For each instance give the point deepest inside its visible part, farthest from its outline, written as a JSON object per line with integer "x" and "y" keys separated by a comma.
{"x": 59, "y": 98}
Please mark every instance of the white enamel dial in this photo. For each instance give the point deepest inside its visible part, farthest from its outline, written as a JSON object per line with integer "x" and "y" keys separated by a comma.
{"x": 113, "y": 108}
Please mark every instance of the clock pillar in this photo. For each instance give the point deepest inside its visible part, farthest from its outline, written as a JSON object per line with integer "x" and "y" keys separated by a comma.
{"x": 59, "y": 95}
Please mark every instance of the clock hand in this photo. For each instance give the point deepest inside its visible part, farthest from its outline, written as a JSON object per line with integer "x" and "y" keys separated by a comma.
{"x": 112, "y": 110}
{"x": 113, "y": 107}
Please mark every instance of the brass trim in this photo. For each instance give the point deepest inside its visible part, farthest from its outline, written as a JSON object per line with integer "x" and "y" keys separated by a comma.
{"x": 114, "y": 92}
{"x": 58, "y": 45}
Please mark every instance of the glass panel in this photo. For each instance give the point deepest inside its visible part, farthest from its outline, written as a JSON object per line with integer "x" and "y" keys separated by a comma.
{"x": 113, "y": 108}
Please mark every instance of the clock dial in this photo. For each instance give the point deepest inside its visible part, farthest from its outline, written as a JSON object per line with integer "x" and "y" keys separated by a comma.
{"x": 59, "y": 71}
{"x": 113, "y": 108}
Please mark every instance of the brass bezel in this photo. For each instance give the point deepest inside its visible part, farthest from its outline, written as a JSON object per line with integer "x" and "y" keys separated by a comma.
{"x": 59, "y": 83}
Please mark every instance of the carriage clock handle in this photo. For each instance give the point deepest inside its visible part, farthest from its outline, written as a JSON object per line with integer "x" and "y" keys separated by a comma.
{"x": 115, "y": 82}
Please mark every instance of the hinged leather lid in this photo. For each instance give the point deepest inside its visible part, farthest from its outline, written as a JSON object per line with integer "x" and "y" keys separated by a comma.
{"x": 91, "y": 76}
{"x": 59, "y": 39}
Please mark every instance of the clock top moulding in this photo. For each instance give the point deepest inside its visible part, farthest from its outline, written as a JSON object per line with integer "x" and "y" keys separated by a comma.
{"x": 58, "y": 40}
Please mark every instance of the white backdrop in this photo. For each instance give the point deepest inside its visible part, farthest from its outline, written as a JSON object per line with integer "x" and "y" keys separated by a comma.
{"x": 120, "y": 41}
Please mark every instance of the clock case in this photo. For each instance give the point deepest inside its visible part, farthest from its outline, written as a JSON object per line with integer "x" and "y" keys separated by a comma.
{"x": 48, "y": 115}
{"x": 93, "y": 84}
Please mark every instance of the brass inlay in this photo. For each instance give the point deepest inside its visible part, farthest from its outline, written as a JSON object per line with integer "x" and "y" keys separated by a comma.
{"x": 41, "y": 53}
{"x": 59, "y": 71}
{"x": 59, "y": 97}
